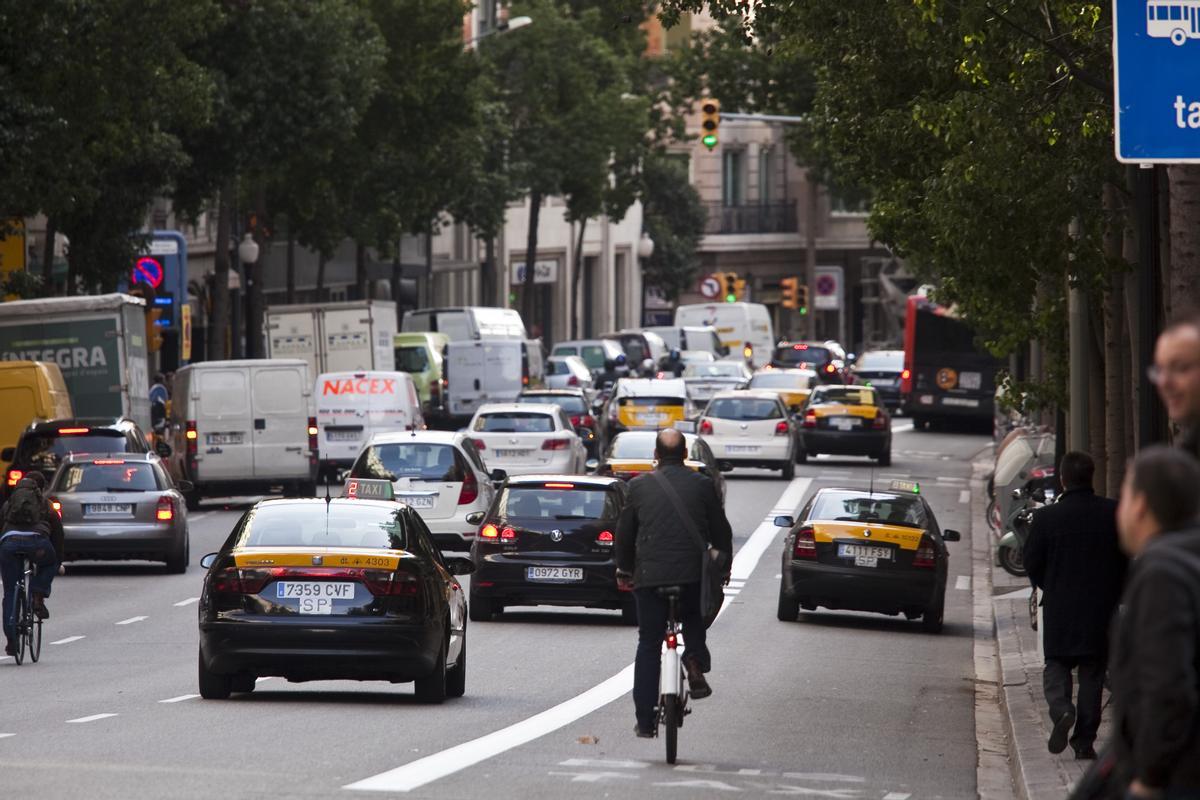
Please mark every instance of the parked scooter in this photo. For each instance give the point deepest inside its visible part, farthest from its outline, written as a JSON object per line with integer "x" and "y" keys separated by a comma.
{"x": 1010, "y": 551}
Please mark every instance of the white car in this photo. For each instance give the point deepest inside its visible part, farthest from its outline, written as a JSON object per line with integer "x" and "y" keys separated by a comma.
{"x": 750, "y": 428}
{"x": 438, "y": 473}
{"x": 527, "y": 439}
{"x": 705, "y": 380}
{"x": 567, "y": 372}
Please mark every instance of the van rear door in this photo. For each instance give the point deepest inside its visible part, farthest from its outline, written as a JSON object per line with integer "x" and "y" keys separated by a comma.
{"x": 280, "y": 395}
{"x": 224, "y": 424}
{"x": 348, "y": 344}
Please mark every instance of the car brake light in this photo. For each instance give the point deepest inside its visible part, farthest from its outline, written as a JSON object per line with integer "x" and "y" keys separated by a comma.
{"x": 165, "y": 512}
{"x": 587, "y": 421}
{"x": 672, "y": 641}
{"x": 56, "y": 505}
{"x": 1042, "y": 472}
{"x": 508, "y": 535}
{"x": 556, "y": 444}
{"x": 605, "y": 538}
{"x": 576, "y": 421}
{"x": 385, "y": 583}
{"x": 14, "y": 476}
{"x": 108, "y": 461}
{"x": 313, "y": 430}
{"x": 72, "y": 431}
{"x": 479, "y": 444}
{"x": 880, "y": 422}
{"x": 470, "y": 489}
{"x": 705, "y": 427}
{"x": 572, "y": 381}
{"x": 489, "y": 531}
{"x": 926, "y": 556}
{"x": 781, "y": 428}
{"x": 829, "y": 368}
{"x": 806, "y": 544}
{"x": 799, "y": 347}
{"x": 560, "y": 486}
{"x": 810, "y": 420}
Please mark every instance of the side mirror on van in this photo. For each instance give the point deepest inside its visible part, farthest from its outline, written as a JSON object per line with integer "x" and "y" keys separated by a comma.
{"x": 8, "y": 454}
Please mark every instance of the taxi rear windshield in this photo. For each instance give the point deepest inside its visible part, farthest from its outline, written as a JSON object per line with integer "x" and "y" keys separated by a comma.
{"x": 536, "y": 502}
{"x": 744, "y": 409}
{"x": 794, "y": 355}
{"x": 335, "y": 525}
{"x": 416, "y": 460}
{"x": 857, "y": 507}
{"x": 129, "y": 476}
{"x": 780, "y": 380}
{"x": 649, "y": 402}
{"x": 845, "y": 395}
{"x": 515, "y": 422}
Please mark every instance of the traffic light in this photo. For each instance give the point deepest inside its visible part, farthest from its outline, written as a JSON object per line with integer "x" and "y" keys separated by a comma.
{"x": 790, "y": 292}
{"x": 710, "y": 120}
{"x": 739, "y": 289}
{"x": 728, "y": 281}
{"x": 154, "y": 338}
{"x": 803, "y": 302}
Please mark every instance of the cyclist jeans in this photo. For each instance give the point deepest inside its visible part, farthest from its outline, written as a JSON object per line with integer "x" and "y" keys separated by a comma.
{"x": 12, "y": 550}
{"x": 652, "y": 613}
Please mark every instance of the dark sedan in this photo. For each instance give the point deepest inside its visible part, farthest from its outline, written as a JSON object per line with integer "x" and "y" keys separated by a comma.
{"x": 310, "y": 589}
{"x": 548, "y": 540}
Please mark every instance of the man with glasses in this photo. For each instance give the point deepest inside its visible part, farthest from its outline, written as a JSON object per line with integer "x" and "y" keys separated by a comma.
{"x": 1176, "y": 373}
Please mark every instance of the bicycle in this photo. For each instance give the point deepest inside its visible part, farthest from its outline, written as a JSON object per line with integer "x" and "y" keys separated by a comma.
{"x": 672, "y": 682}
{"x": 28, "y": 625}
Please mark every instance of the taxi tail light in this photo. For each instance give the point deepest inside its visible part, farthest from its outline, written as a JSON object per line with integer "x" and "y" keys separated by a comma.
{"x": 810, "y": 420}
{"x": 880, "y": 422}
{"x": 605, "y": 539}
{"x": 470, "y": 489}
{"x": 386, "y": 583}
{"x": 556, "y": 444}
{"x": 806, "y": 544}
{"x": 14, "y": 476}
{"x": 705, "y": 427}
{"x": 781, "y": 428}
{"x": 164, "y": 512}
{"x": 926, "y": 556}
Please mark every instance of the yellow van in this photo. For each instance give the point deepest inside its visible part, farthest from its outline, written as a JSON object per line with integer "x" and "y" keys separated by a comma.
{"x": 30, "y": 390}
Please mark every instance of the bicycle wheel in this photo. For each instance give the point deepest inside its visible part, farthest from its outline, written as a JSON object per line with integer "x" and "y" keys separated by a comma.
{"x": 18, "y": 617}
{"x": 671, "y": 720}
{"x": 35, "y": 639}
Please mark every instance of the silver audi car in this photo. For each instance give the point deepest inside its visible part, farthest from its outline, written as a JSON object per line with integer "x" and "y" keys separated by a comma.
{"x": 120, "y": 506}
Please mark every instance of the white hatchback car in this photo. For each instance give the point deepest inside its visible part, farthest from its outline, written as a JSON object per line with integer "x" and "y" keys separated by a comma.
{"x": 438, "y": 473}
{"x": 527, "y": 439}
{"x": 567, "y": 372}
{"x": 750, "y": 428}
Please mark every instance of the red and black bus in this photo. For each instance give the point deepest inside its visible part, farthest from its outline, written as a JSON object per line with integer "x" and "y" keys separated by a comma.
{"x": 947, "y": 375}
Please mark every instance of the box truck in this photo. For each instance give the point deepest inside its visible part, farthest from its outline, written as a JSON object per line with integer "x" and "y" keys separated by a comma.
{"x": 334, "y": 337}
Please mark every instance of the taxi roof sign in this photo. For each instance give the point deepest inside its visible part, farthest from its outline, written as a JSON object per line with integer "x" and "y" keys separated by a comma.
{"x": 368, "y": 489}
{"x": 912, "y": 487}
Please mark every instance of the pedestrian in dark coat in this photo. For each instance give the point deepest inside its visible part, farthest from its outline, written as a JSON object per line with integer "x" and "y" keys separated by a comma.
{"x": 1156, "y": 642}
{"x": 1073, "y": 556}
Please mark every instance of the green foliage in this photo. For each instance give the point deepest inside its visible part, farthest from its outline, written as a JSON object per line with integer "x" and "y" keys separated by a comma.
{"x": 674, "y": 217}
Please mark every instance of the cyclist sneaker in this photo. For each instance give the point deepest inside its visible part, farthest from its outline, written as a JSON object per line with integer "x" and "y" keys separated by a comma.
{"x": 643, "y": 733}
{"x": 10, "y": 649}
{"x": 697, "y": 683}
{"x": 39, "y": 606}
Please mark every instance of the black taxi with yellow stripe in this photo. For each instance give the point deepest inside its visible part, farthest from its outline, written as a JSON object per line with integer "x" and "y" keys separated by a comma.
{"x": 856, "y": 550}
{"x": 345, "y": 588}
{"x": 845, "y": 420}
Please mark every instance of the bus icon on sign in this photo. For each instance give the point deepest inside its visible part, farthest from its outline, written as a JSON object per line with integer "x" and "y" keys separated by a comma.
{"x": 1177, "y": 20}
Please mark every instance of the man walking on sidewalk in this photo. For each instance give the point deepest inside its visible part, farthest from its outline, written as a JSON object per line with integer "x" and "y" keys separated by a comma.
{"x": 1074, "y": 558}
{"x": 1155, "y": 673}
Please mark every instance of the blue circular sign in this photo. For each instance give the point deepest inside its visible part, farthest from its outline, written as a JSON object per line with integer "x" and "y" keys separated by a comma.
{"x": 147, "y": 270}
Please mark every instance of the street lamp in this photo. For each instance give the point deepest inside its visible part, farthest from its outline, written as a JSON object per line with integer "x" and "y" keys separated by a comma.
{"x": 504, "y": 27}
{"x": 248, "y": 249}
{"x": 645, "y": 247}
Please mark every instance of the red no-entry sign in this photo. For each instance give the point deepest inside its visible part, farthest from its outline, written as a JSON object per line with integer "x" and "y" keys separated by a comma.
{"x": 147, "y": 270}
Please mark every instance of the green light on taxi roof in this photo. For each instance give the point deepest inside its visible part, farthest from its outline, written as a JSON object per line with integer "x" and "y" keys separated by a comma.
{"x": 905, "y": 486}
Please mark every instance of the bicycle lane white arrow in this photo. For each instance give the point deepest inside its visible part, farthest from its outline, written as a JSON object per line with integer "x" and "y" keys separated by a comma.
{"x": 434, "y": 767}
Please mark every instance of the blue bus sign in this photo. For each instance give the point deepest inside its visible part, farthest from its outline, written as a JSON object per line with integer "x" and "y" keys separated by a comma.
{"x": 1156, "y": 66}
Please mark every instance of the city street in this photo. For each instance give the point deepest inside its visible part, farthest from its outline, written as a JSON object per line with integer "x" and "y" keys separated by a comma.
{"x": 839, "y": 705}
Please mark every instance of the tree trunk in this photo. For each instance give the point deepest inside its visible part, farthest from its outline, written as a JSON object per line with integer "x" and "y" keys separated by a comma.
{"x": 73, "y": 256}
{"x": 1130, "y": 340}
{"x": 1116, "y": 395}
{"x": 218, "y": 324}
{"x": 1185, "y": 238}
{"x": 489, "y": 279}
{"x": 360, "y": 270}
{"x": 291, "y": 265}
{"x": 321, "y": 262}
{"x": 527, "y": 298}
{"x": 48, "y": 256}
{"x": 255, "y": 295}
{"x": 576, "y": 274}
{"x": 397, "y": 275}
{"x": 1096, "y": 415}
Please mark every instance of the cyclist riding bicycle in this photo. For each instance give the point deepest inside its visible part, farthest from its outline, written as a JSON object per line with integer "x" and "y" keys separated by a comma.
{"x": 31, "y": 528}
{"x": 653, "y": 550}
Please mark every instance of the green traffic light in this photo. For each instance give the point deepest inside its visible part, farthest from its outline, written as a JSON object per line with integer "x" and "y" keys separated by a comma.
{"x": 803, "y": 310}
{"x": 709, "y": 140}
{"x": 731, "y": 298}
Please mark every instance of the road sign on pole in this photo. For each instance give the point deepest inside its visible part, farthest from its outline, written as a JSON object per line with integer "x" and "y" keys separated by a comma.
{"x": 710, "y": 287}
{"x": 1156, "y": 70}
{"x": 828, "y": 294}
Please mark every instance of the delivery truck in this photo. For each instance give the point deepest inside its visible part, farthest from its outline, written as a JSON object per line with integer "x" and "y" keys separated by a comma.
{"x": 334, "y": 337}
{"x": 98, "y": 343}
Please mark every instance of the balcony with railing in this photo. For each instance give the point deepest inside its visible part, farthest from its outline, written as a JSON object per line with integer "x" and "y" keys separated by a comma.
{"x": 778, "y": 217}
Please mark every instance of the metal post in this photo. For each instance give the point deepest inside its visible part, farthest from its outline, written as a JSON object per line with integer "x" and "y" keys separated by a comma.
{"x": 810, "y": 250}
{"x": 1146, "y": 203}
{"x": 1077, "y": 333}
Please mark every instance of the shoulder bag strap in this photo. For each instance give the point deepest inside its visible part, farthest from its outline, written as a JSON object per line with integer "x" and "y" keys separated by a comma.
{"x": 689, "y": 524}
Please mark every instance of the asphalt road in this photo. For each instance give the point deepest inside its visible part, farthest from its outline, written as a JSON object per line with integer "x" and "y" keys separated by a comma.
{"x": 838, "y": 705}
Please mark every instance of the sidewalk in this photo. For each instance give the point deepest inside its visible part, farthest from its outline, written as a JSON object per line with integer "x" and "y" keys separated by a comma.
{"x": 1036, "y": 774}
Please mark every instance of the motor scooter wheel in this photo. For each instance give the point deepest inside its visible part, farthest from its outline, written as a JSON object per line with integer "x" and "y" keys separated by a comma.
{"x": 1012, "y": 561}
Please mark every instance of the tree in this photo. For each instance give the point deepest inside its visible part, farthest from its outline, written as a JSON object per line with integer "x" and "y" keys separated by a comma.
{"x": 674, "y": 217}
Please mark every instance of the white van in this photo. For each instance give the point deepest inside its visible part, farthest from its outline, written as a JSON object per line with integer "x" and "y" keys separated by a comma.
{"x": 467, "y": 323}
{"x": 740, "y": 325}
{"x": 489, "y": 371}
{"x": 353, "y": 406}
{"x": 244, "y": 427}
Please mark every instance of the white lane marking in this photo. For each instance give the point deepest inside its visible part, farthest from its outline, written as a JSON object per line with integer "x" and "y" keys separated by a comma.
{"x": 602, "y": 763}
{"x": 964, "y": 496}
{"x": 962, "y": 582}
{"x": 594, "y": 777}
{"x": 824, "y": 777}
{"x": 69, "y": 639}
{"x": 264, "y": 678}
{"x": 902, "y": 427}
{"x": 1019, "y": 594}
{"x": 416, "y": 774}
{"x": 5, "y": 658}
{"x": 896, "y": 796}
{"x": 92, "y": 718}
{"x": 6, "y": 735}
{"x": 732, "y": 591}
{"x": 187, "y": 602}
{"x": 131, "y": 620}
{"x": 179, "y": 699}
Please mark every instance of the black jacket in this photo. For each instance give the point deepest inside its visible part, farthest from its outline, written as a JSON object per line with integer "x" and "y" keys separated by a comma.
{"x": 1189, "y": 440}
{"x": 651, "y": 542}
{"x": 1155, "y": 668}
{"x": 50, "y": 525}
{"x": 1073, "y": 556}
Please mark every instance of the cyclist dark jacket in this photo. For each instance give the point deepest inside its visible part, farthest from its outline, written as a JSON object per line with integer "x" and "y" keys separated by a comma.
{"x": 49, "y": 525}
{"x": 651, "y": 542}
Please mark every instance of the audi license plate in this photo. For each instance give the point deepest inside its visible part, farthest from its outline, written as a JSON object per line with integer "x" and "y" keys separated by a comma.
{"x": 342, "y": 436}
{"x": 223, "y": 438}
{"x": 512, "y": 453}
{"x": 108, "y": 509}
{"x": 554, "y": 574}
{"x": 417, "y": 500}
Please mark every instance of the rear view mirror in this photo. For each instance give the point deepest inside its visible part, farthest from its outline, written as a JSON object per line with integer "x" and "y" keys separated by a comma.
{"x": 498, "y": 475}
{"x": 784, "y": 521}
{"x": 457, "y": 565}
{"x": 475, "y": 517}
{"x": 724, "y": 466}
{"x": 184, "y": 486}
{"x": 592, "y": 464}
{"x": 8, "y": 453}
{"x": 208, "y": 560}
{"x": 1018, "y": 494}
{"x": 162, "y": 449}
{"x": 951, "y": 535}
